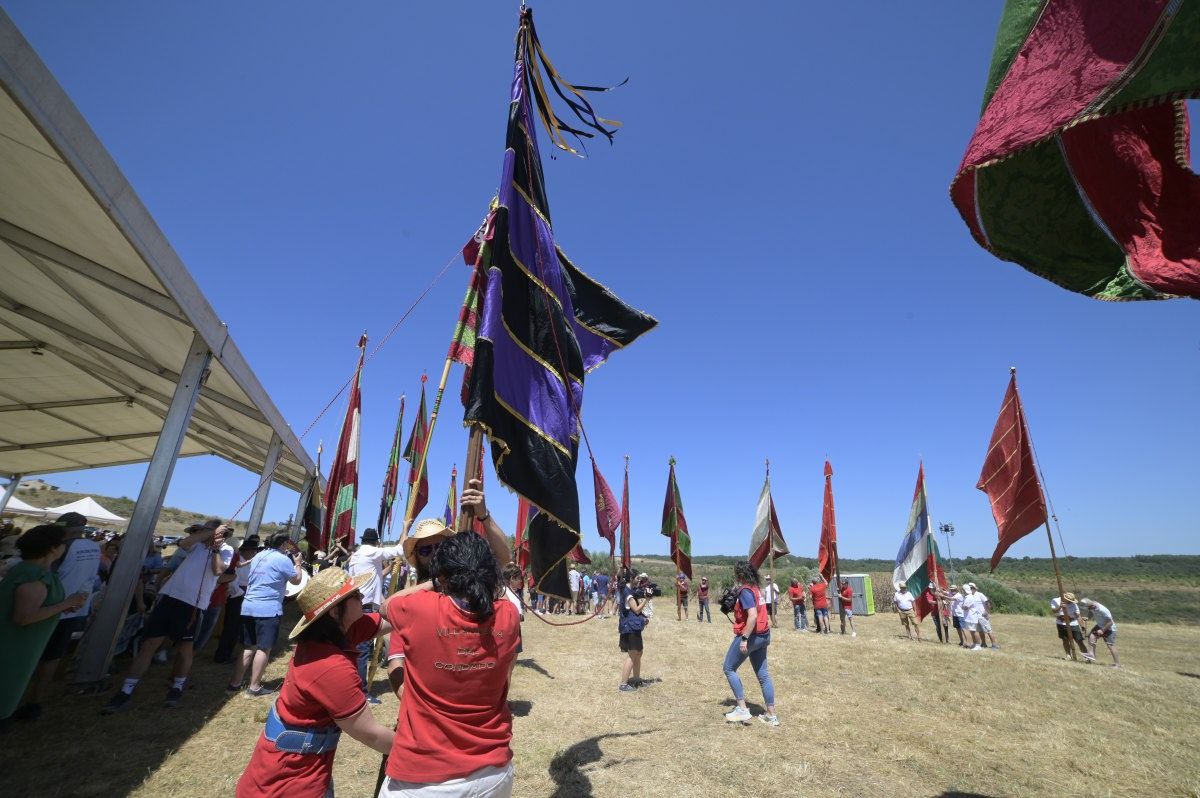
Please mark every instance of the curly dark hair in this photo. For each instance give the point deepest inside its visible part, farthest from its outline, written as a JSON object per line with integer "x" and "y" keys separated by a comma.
{"x": 744, "y": 572}
{"x": 40, "y": 541}
{"x": 467, "y": 570}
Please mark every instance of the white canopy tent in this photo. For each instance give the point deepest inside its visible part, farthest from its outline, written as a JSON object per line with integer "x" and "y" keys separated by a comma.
{"x": 17, "y": 507}
{"x": 110, "y": 352}
{"x": 89, "y": 508}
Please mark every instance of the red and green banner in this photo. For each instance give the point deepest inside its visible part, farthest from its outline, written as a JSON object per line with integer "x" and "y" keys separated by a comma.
{"x": 827, "y": 551}
{"x": 391, "y": 480}
{"x": 341, "y": 519}
{"x": 1009, "y": 476}
{"x": 525, "y": 513}
{"x": 418, "y": 484}
{"x": 674, "y": 525}
{"x": 1079, "y": 168}
{"x": 917, "y": 561}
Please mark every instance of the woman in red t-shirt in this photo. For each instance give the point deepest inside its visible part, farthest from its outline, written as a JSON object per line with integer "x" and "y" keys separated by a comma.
{"x": 752, "y": 635}
{"x": 454, "y": 726}
{"x": 321, "y": 695}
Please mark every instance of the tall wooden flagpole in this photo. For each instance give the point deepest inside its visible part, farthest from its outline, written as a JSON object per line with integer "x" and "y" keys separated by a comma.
{"x": 771, "y": 554}
{"x": 675, "y": 576}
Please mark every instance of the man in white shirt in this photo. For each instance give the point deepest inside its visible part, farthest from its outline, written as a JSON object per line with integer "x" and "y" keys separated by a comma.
{"x": 575, "y": 581}
{"x": 181, "y": 603}
{"x": 370, "y": 558}
{"x": 262, "y": 610}
{"x": 903, "y": 602}
{"x": 956, "y": 597}
{"x": 1070, "y": 630}
{"x": 974, "y": 610}
{"x": 984, "y": 624}
{"x": 1104, "y": 627}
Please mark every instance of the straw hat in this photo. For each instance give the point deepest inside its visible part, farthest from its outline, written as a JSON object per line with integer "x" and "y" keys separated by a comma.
{"x": 1070, "y": 597}
{"x": 425, "y": 529}
{"x": 323, "y": 592}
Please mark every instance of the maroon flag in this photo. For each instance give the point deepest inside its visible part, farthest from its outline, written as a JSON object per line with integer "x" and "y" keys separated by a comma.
{"x": 580, "y": 556}
{"x": 674, "y": 525}
{"x": 525, "y": 513}
{"x": 827, "y": 553}
{"x": 625, "y": 556}
{"x": 343, "y": 474}
{"x": 391, "y": 480}
{"x": 1009, "y": 476}
{"x": 418, "y": 484}
{"x": 608, "y": 512}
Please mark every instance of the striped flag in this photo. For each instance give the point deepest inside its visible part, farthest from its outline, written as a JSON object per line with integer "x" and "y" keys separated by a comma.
{"x": 341, "y": 519}
{"x": 917, "y": 561}
{"x": 1009, "y": 476}
{"x": 767, "y": 535}
{"x": 674, "y": 525}
{"x": 418, "y": 484}
{"x": 391, "y": 481}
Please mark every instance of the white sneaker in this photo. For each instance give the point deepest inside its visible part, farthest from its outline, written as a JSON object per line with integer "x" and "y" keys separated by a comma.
{"x": 738, "y": 715}
{"x": 977, "y": 648}
{"x": 770, "y": 720}
{"x": 854, "y": 634}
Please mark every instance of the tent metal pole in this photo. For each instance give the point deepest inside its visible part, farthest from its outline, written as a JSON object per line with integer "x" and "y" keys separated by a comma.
{"x": 98, "y": 643}
{"x": 10, "y": 490}
{"x": 264, "y": 486}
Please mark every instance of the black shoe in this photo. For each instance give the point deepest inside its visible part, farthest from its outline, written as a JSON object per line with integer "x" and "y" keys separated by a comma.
{"x": 120, "y": 702}
{"x": 28, "y": 712}
{"x": 233, "y": 689}
{"x": 174, "y": 696}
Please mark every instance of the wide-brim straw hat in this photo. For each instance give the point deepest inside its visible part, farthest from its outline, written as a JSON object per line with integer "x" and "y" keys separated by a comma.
{"x": 328, "y": 588}
{"x": 424, "y": 529}
{"x": 1070, "y": 597}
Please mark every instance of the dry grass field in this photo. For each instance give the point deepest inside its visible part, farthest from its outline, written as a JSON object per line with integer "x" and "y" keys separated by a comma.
{"x": 871, "y": 716}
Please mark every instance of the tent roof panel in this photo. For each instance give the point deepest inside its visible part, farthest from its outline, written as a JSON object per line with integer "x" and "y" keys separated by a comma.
{"x": 88, "y": 278}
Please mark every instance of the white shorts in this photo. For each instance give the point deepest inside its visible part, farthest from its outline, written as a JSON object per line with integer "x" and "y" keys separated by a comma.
{"x": 984, "y": 625}
{"x": 489, "y": 782}
{"x": 971, "y": 626}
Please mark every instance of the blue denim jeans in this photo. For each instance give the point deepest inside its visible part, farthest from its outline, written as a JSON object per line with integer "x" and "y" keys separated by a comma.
{"x": 702, "y": 610}
{"x": 800, "y": 617}
{"x": 756, "y": 650}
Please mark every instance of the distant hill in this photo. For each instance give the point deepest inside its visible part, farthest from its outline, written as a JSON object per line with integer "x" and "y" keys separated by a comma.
{"x": 171, "y": 521}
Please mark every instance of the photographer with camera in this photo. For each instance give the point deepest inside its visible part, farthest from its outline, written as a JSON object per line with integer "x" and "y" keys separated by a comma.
{"x": 181, "y": 603}
{"x": 752, "y": 635}
{"x": 630, "y": 605}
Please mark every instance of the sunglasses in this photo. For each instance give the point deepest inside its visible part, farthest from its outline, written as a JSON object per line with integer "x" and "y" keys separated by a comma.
{"x": 427, "y": 550}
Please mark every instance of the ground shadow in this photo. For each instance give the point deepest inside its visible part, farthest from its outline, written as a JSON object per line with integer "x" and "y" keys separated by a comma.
{"x": 533, "y": 666}
{"x": 146, "y": 735}
{"x": 1189, "y": 675}
{"x": 956, "y": 794}
{"x": 647, "y": 682}
{"x": 756, "y": 709}
{"x": 566, "y": 769}
{"x": 520, "y": 709}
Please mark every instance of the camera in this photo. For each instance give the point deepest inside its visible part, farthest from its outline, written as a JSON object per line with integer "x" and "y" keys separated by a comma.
{"x": 650, "y": 590}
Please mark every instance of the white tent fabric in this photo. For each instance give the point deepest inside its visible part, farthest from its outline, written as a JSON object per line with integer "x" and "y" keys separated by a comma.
{"x": 17, "y": 507}
{"x": 88, "y": 507}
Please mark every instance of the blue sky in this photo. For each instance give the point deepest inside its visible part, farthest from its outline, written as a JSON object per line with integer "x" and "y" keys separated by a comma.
{"x": 777, "y": 199}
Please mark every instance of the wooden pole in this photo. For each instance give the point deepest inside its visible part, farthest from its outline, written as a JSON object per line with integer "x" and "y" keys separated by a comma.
{"x": 1062, "y": 597}
{"x": 837, "y": 588}
{"x": 771, "y": 554}
{"x": 470, "y": 472}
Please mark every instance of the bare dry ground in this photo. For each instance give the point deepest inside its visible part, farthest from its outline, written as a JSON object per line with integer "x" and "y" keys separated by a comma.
{"x": 875, "y": 715}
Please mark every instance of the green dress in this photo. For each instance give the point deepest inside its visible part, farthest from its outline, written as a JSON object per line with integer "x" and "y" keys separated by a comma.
{"x": 21, "y": 646}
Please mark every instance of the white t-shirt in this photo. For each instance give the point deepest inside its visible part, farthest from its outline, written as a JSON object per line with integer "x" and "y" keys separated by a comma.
{"x": 241, "y": 573}
{"x": 1072, "y": 611}
{"x": 516, "y": 601}
{"x": 1100, "y": 614}
{"x": 983, "y": 602}
{"x": 78, "y": 571}
{"x": 193, "y": 581}
{"x": 368, "y": 559}
{"x": 973, "y": 607}
{"x": 574, "y": 578}
{"x": 770, "y": 592}
{"x": 956, "y": 604}
{"x": 903, "y": 600}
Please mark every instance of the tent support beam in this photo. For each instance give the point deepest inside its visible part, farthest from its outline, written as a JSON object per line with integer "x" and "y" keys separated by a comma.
{"x": 97, "y": 647}
{"x": 99, "y": 400}
{"x": 264, "y": 486}
{"x": 10, "y": 490}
